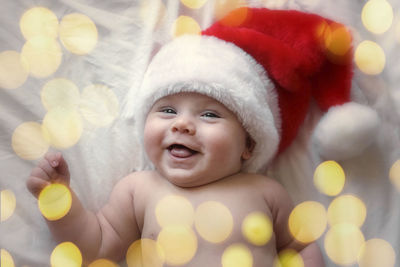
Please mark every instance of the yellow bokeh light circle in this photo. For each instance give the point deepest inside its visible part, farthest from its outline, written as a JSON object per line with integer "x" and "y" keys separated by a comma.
{"x": 370, "y": 58}
{"x": 329, "y": 178}
{"x": 308, "y": 221}
{"x": 66, "y": 254}
{"x": 377, "y": 16}
{"x": 237, "y": 255}
{"x": 60, "y": 92}
{"x": 213, "y": 221}
{"x": 28, "y": 141}
{"x": 347, "y": 209}
{"x": 39, "y": 21}
{"x": 343, "y": 242}
{"x": 257, "y": 228}
{"x": 338, "y": 40}
{"x": 223, "y": 7}
{"x": 185, "y": 25}
{"x": 288, "y": 258}
{"x": 394, "y": 174}
{"x": 179, "y": 244}
{"x": 55, "y": 201}
{"x": 376, "y": 252}
{"x": 62, "y": 127}
{"x": 174, "y": 210}
{"x": 78, "y": 33}
{"x": 43, "y": 56}
{"x": 99, "y": 105}
{"x": 14, "y": 70}
{"x": 194, "y": 4}
{"x": 152, "y": 12}
{"x": 145, "y": 252}
{"x": 103, "y": 263}
{"x": 7, "y": 202}
{"x": 6, "y": 259}
{"x": 397, "y": 31}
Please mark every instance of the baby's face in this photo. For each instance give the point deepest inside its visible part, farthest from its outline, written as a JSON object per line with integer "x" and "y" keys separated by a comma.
{"x": 193, "y": 139}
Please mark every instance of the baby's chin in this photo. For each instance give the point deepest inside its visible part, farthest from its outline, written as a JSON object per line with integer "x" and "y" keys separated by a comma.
{"x": 187, "y": 178}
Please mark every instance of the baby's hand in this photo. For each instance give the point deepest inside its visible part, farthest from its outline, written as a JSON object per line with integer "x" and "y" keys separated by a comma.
{"x": 51, "y": 169}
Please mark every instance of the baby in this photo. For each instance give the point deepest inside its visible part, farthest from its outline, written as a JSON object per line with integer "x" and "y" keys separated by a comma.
{"x": 198, "y": 147}
{"x": 210, "y": 124}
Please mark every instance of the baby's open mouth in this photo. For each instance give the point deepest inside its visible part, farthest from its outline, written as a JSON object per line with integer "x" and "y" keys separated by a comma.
{"x": 181, "y": 151}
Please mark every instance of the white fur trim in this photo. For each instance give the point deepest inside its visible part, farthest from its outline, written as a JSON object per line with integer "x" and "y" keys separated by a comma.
{"x": 223, "y": 71}
{"x": 346, "y": 131}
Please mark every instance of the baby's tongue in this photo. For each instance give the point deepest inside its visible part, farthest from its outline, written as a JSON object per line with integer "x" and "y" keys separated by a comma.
{"x": 181, "y": 151}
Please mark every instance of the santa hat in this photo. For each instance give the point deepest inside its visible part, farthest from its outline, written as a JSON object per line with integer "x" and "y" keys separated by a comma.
{"x": 266, "y": 69}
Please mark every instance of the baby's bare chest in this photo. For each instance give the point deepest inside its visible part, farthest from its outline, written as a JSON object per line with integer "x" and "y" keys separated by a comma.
{"x": 198, "y": 227}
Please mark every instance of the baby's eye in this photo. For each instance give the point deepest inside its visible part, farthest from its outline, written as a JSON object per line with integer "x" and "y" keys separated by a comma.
{"x": 168, "y": 110}
{"x": 209, "y": 114}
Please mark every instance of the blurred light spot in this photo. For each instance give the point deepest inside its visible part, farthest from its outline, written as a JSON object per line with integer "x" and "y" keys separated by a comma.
{"x": 78, "y": 33}
{"x": 237, "y": 255}
{"x": 307, "y": 221}
{"x": 257, "y": 228}
{"x": 370, "y": 58}
{"x": 60, "y": 92}
{"x": 14, "y": 70}
{"x": 6, "y": 259}
{"x": 185, "y": 25}
{"x": 39, "y": 21}
{"x": 103, "y": 263}
{"x": 394, "y": 174}
{"x": 99, "y": 105}
{"x": 66, "y": 254}
{"x": 213, "y": 221}
{"x": 337, "y": 41}
{"x": 223, "y": 7}
{"x": 179, "y": 244}
{"x": 273, "y": 4}
{"x": 343, "y": 242}
{"x": 143, "y": 253}
{"x": 288, "y": 258}
{"x": 43, "y": 56}
{"x": 62, "y": 127}
{"x": 347, "y": 209}
{"x": 195, "y": 4}
{"x": 173, "y": 210}
{"x": 7, "y": 202}
{"x": 154, "y": 10}
{"x": 329, "y": 178}
{"x": 28, "y": 141}
{"x": 397, "y": 31}
{"x": 54, "y": 201}
{"x": 377, "y": 16}
{"x": 376, "y": 252}
{"x": 236, "y": 17}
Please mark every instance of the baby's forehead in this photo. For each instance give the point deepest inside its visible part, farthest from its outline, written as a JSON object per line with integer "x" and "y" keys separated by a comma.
{"x": 191, "y": 97}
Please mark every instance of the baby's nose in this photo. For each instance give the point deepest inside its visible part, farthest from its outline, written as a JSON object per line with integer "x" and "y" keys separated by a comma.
{"x": 184, "y": 125}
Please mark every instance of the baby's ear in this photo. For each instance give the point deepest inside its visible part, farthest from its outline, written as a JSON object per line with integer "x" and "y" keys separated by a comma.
{"x": 250, "y": 144}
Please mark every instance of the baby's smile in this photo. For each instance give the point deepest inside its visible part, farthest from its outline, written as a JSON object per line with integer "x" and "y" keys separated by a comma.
{"x": 181, "y": 151}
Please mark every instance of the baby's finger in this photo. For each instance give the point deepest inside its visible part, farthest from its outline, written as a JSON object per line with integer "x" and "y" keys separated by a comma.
{"x": 40, "y": 173}
{"x": 45, "y": 166}
{"x": 62, "y": 166}
{"x": 35, "y": 185}
{"x": 53, "y": 158}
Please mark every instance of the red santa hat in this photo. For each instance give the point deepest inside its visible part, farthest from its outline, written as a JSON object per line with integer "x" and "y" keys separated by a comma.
{"x": 266, "y": 69}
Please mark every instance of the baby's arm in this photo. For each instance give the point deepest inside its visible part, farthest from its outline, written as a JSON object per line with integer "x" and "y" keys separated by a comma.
{"x": 281, "y": 205}
{"x": 106, "y": 234}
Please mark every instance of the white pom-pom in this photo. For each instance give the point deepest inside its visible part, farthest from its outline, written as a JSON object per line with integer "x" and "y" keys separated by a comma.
{"x": 345, "y": 131}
